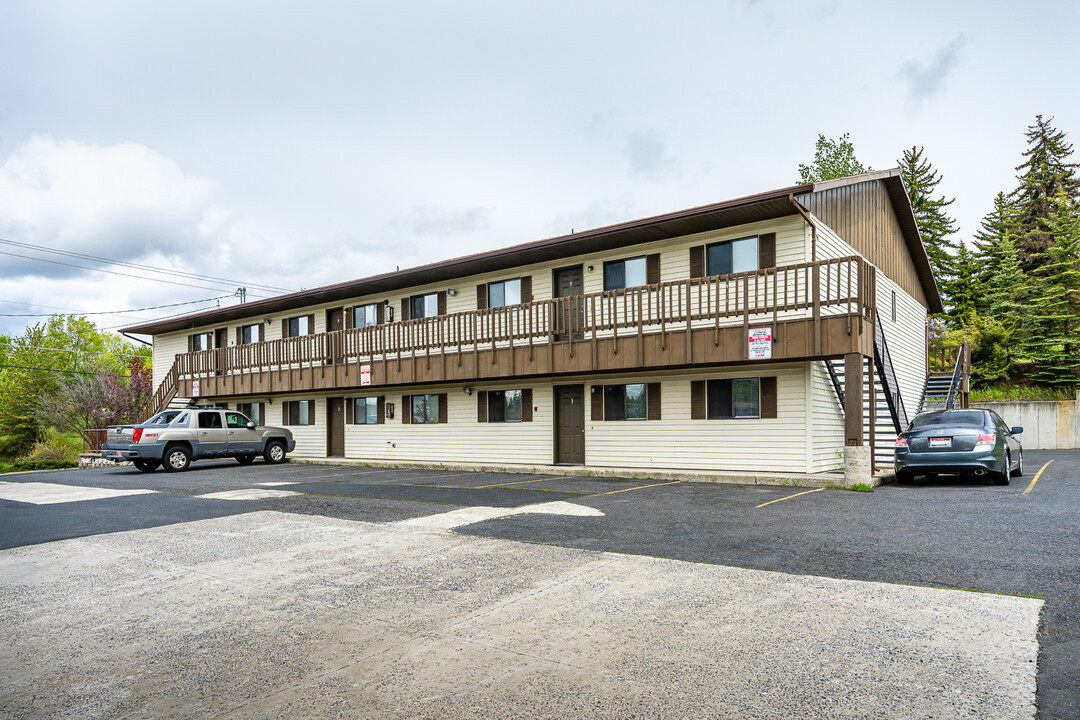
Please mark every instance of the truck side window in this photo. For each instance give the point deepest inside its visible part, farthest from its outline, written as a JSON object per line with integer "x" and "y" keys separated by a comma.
{"x": 209, "y": 420}
{"x": 235, "y": 420}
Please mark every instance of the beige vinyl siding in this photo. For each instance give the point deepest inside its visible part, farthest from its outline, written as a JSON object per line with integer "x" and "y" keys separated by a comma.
{"x": 677, "y": 442}
{"x": 310, "y": 439}
{"x": 826, "y": 427}
{"x": 461, "y": 438}
{"x": 166, "y": 348}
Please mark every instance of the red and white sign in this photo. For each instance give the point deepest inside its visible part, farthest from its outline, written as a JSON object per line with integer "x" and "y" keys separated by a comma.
{"x": 760, "y": 343}
{"x": 365, "y": 374}
{"x": 194, "y": 388}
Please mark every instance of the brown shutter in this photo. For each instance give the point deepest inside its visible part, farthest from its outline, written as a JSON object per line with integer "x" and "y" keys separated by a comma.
{"x": 697, "y": 261}
{"x": 481, "y": 296}
{"x": 350, "y": 405}
{"x": 380, "y": 314}
{"x": 481, "y": 406}
{"x": 442, "y": 407}
{"x": 652, "y": 401}
{"x": 652, "y": 269}
{"x": 239, "y": 335}
{"x": 311, "y": 412}
{"x": 766, "y": 244}
{"x": 262, "y": 412}
{"x": 526, "y": 405}
{"x": 697, "y": 400}
{"x": 380, "y": 410}
{"x": 767, "y": 388}
{"x": 442, "y": 302}
{"x": 285, "y": 413}
{"x": 191, "y": 343}
{"x": 406, "y": 409}
{"x": 405, "y": 309}
{"x": 311, "y": 324}
{"x": 526, "y": 288}
{"x": 597, "y": 402}
{"x": 284, "y": 327}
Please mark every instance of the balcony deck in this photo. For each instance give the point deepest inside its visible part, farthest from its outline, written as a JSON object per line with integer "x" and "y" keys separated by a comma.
{"x": 815, "y": 310}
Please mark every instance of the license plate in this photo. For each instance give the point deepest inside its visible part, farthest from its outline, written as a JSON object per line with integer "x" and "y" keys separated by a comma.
{"x": 940, "y": 442}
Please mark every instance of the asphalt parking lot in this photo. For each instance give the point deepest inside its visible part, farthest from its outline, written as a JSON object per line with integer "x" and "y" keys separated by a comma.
{"x": 1020, "y": 540}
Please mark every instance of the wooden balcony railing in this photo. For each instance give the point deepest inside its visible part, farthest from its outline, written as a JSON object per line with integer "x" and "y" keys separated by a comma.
{"x": 840, "y": 286}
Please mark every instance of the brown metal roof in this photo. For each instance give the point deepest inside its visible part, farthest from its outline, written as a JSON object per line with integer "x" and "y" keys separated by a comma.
{"x": 740, "y": 211}
{"x": 764, "y": 206}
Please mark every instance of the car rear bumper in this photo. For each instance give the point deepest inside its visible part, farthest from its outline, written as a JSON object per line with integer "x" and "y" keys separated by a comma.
{"x": 118, "y": 452}
{"x": 949, "y": 462}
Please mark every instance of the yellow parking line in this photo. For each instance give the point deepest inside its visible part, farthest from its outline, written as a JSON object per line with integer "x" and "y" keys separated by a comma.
{"x": 1035, "y": 479}
{"x": 523, "y": 482}
{"x": 639, "y": 487}
{"x": 805, "y": 492}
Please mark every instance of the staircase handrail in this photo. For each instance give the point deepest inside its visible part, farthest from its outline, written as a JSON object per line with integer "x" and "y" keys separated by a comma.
{"x": 165, "y": 392}
{"x": 887, "y": 373}
{"x": 957, "y": 377}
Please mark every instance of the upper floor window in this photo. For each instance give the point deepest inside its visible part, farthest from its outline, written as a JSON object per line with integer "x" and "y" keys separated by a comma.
{"x": 200, "y": 341}
{"x": 505, "y": 292}
{"x": 424, "y": 306}
{"x": 732, "y": 256}
{"x": 250, "y": 334}
{"x": 297, "y": 326}
{"x": 365, "y": 315}
{"x": 619, "y": 274}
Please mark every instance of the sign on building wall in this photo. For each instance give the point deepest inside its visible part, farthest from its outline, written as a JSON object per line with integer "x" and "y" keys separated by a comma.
{"x": 365, "y": 374}
{"x": 760, "y": 343}
{"x": 194, "y": 388}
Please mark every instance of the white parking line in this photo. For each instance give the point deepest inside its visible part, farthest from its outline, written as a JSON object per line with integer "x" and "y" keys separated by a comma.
{"x": 51, "y": 494}
{"x": 469, "y": 515}
{"x": 249, "y": 494}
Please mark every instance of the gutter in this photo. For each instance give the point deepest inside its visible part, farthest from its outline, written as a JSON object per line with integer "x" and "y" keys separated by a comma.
{"x": 810, "y": 221}
{"x": 129, "y": 337}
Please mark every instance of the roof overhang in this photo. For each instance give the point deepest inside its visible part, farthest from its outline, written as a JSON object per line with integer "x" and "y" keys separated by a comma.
{"x": 753, "y": 208}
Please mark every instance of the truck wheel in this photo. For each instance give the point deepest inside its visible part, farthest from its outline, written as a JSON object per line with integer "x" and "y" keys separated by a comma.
{"x": 177, "y": 458}
{"x": 275, "y": 452}
{"x": 245, "y": 459}
{"x": 147, "y": 465}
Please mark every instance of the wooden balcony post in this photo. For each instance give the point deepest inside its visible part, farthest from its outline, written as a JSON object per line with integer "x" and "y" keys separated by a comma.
{"x": 816, "y": 300}
{"x": 853, "y": 400}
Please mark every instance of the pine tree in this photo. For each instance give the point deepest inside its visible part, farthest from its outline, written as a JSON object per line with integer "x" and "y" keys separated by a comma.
{"x": 1055, "y": 311}
{"x": 935, "y": 226}
{"x": 1046, "y": 173}
{"x": 997, "y": 226}
{"x": 961, "y": 287}
{"x": 832, "y": 159}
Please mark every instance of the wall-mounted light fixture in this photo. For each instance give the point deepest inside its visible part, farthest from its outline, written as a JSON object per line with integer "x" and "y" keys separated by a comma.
{"x": 468, "y": 390}
{"x": 451, "y": 292}
{"x": 269, "y": 401}
{"x": 266, "y": 320}
{"x": 589, "y": 268}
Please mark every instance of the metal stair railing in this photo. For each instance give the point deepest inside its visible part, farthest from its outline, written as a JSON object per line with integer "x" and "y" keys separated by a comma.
{"x": 887, "y": 374}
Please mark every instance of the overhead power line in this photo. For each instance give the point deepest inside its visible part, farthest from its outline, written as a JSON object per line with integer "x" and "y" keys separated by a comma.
{"x": 84, "y": 352}
{"x": 115, "y": 312}
{"x": 138, "y": 266}
{"x": 42, "y": 305}
{"x": 59, "y": 370}
{"x": 166, "y": 317}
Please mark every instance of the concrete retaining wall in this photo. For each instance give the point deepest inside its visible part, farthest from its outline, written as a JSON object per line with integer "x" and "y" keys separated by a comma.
{"x": 1048, "y": 425}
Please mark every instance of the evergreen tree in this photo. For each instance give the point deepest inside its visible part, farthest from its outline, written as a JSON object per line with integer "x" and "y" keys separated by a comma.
{"x": 935, "y": 226}
{"x": 1046, "y": 173}
{"x": 832, "y": 159}
{"x": 1055, "y": 311}
{"x": 998, "y": 225}
{"x": 961, "y": 287}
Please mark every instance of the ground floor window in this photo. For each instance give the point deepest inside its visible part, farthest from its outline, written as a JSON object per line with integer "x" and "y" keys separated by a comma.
{"x": 299, "y": 412}
{"x": 504, "y": 406}
{"x": 632, "y": 401}
{"x": 366, "y": 411}
{"x": 733, "y": 398}
{"x": 424, "y": 409}
{"x": 253, "y": 411}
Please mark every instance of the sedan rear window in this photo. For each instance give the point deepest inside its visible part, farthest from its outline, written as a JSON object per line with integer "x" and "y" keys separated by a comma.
{"x": 951, "y": 418}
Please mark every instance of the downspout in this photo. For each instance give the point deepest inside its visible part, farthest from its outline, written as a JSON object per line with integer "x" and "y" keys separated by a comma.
{"x": 813, "y": 226}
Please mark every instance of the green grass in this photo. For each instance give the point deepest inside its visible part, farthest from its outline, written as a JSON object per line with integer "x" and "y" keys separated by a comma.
{"x": 857, "y": 487}
{"x": 1005, "y": 393}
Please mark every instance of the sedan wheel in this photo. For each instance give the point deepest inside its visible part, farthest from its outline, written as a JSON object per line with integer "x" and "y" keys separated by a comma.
{"x": 1006, "y": 474}
{"x": 1019, "y": 471}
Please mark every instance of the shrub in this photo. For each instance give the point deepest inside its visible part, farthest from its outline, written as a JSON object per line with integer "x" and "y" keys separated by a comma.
{"x": 53, "y": 448}
{"x": 22, "y": 466}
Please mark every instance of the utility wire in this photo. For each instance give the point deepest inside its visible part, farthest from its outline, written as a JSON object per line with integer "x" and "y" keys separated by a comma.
{"x": 85, "y": 352}
{"x": 69, "y": 372}
{"x": 116, "y": 312}
{"x": 73, "y": 311}
{"x": 113, "y": 272}
{"x": 167, "y": 317}
{"x": 168, "y": 271}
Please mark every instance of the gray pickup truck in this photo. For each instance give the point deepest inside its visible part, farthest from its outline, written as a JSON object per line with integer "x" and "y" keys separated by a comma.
{"x": 174, "y": 438}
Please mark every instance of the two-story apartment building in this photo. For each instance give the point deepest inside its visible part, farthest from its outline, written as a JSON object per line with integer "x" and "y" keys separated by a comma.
{"x": 711, "y": 339}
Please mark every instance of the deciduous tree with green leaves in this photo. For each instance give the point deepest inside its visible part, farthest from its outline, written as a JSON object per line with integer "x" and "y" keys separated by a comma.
{"x": 832, "y": 159}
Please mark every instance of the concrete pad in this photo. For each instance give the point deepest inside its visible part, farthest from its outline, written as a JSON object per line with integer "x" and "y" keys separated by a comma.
{"x": 38, "y": 493}
{"x": 273, "y": 615}
{"x": 247, "y": 494}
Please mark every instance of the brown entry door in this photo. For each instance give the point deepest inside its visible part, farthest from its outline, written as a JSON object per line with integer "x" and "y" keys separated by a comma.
{"x": 335, "y": 320}
{"x": 570, "y": 315}
{"x": 335, "y": 427}
{"x": 570, "y": 424}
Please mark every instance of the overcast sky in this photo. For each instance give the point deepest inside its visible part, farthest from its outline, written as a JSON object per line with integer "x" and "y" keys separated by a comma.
{"x": 299, "y": 144}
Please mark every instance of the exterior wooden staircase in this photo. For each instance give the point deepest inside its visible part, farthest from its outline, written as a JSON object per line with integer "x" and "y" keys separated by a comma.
{"x": 948, "y": 374}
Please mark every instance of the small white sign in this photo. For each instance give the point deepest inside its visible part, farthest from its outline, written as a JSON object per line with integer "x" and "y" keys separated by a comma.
{"x": 194, "y": 388}
{"x": 365, "y": 374}
{"x": 760, "y": 343}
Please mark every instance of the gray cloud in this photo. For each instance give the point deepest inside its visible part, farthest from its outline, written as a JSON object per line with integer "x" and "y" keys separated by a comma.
{"x": 440, "y": 221}
{"x": 925, "y": 78}
{"x": 647, "y": 154}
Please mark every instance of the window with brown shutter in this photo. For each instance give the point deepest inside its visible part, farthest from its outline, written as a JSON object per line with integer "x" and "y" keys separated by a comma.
{"x": 697, "y": 400}
{"x": 627, "y": 402}
{"x": 766, "y": 250}
{"x": 406, "y": 407}
{"x": 697, "y": 261}
{"x": 442, "y": 302}
{"x": 442, "y": 407}
{"x": 526, "y": 405}
{"x": 381, "y": 409}
{"x": 526, "y": 288}
{"x": 652, "y": 269}
{"x": 653, "y": 395}
{"x": 481, "y": 296}
{"x": 481, "y": 405}
{"x": 405, "y": 303}
{"x": 350, "y": 404}
{"x": 768, "y": 396}
{"x": 597, "y": 402}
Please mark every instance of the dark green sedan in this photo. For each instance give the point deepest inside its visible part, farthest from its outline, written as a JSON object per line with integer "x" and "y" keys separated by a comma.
{"x": 971, "y": 443}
